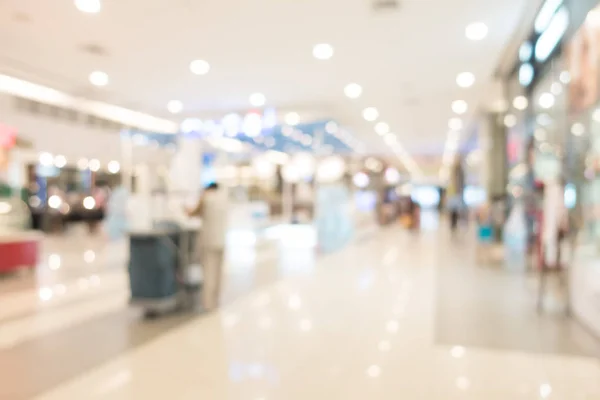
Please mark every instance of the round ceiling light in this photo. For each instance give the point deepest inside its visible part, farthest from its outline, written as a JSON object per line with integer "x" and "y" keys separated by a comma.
{"x": 88, "y": 6}
{"x": 175, "y": 106}
{"x": 476, "y": 31}
{"x": 257, "y": 99}
{"x": 82, "y": 164}
{"x": 370, "y": 114}
{"x": 94, "y": 165}
{"x": 60, "y": 161}
{"x": 460, "y": 107}
{"x": 510, "y": 120}
{"x": 323, "y": 51}
{"x": 390, "y": 139}
{"x": 114, "y": 167}
{"x": 455, "y": 124}
{"x": 382, "y": 128}
{"x": 546, "y": 100}
{"x": 353, "y": 90}
{"x": 520, "y": 103}
{"x": 46, "y": 159}
{"x": 565, "y": 77}
{"x": 361, "y": 180}
{"x": 199, "y": 67}
{"x": 98, "y": 78}
{"x": 465, "y": 79}
{"x": 578, "y": 129}
{"x": 292, "y": 118}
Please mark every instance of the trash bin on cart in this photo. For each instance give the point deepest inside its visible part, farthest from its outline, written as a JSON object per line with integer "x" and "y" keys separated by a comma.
{"x": 158, "y": 269}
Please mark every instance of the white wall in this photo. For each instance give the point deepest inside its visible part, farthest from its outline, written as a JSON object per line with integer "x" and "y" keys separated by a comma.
{"x": 73, "y": 140}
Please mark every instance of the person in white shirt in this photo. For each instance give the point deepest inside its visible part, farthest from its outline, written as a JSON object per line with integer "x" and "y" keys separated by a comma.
{"x": 213, "y": 208}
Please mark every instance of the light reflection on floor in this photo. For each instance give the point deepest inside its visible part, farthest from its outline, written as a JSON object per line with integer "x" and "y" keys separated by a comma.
{"x": 357, "y": 324}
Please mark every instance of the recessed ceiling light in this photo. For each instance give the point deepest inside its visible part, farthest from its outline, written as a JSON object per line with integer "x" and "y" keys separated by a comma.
{"x": 94, "y": 165}
{"x": 60, "y": 161}
{"x": 545, "y": 391}
{"x": 546, "y": 100}
{"x": 370, "y": 114}
{"x": 578, "y": 129}
{"x": 199, "y": 67}
{"x": 520, "y": 102}
{"x": 258, "y": 99}
{"x": 353, "y": 90}
{"x": 510, "y": 120}
{"x": 292, "y": 118}
{"x": 88, "y": 6}
{"x": 82, "y": 164}
{"x": 460, "y": 107}
{"x": 465, "y": 79}
{"x": 98, "y": 78}
{"x": 382, "y": 128}
{"x": 114, "y": 167}
{"x": 390, "y": 138}
{"x": 46, "y": 159}
{"x": 323, "y": 51}
{"x": 374, "y": 371}
{"x": 175, "y": 106}
{"x": 476, "y": 31}
{"x": 455, "y": 124}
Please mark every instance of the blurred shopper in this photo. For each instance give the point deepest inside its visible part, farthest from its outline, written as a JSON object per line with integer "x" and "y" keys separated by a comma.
{"x": 454, "y": 208}
{"x": 485, "y": 233}
{"x": 213, "y": 208}
{"x": 554, "y": 223}
{"x": 416, "y": 216}
{"x": 116, "y": 213}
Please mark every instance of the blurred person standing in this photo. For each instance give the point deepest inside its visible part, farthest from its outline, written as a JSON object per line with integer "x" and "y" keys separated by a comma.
{"x": 213, "y": 208}
{"x": 485, "y": 233}
{"x": 455, "y": 189}
{"x": 116, "y": 221}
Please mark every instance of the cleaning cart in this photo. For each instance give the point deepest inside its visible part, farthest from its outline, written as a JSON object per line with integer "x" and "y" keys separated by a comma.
{"x": 162, "y": 275}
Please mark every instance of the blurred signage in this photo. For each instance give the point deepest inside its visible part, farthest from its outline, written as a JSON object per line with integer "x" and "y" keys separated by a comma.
{"x": 250, "y": 124}
{"x": 8, "y": 137}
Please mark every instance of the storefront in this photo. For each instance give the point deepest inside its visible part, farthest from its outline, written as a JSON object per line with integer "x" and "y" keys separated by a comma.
{"x": 536, "y": 118}
{"x": 582, "y": 160}
{"x": 553, "y": 132}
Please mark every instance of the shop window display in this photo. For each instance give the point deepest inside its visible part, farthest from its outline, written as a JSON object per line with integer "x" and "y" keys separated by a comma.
{"x": 550, "y": 126}
{"x": 583, "y": 158}
{"x": 583, "y": 165}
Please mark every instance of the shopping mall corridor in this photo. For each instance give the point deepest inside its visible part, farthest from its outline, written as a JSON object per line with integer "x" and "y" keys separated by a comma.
{"x": 395, "y": 315}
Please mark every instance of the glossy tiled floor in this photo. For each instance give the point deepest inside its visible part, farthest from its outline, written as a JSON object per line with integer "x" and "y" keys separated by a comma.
{"x": 371, "y": 322}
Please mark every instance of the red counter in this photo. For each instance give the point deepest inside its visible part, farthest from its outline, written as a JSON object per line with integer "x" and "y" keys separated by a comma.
{"x": 19, "y": 250}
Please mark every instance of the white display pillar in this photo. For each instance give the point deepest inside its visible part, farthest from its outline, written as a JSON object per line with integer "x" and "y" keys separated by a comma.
{"x": 186, "y": 167}
{"x": 140, "y": 206}
{"x": 185, "y": 176}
